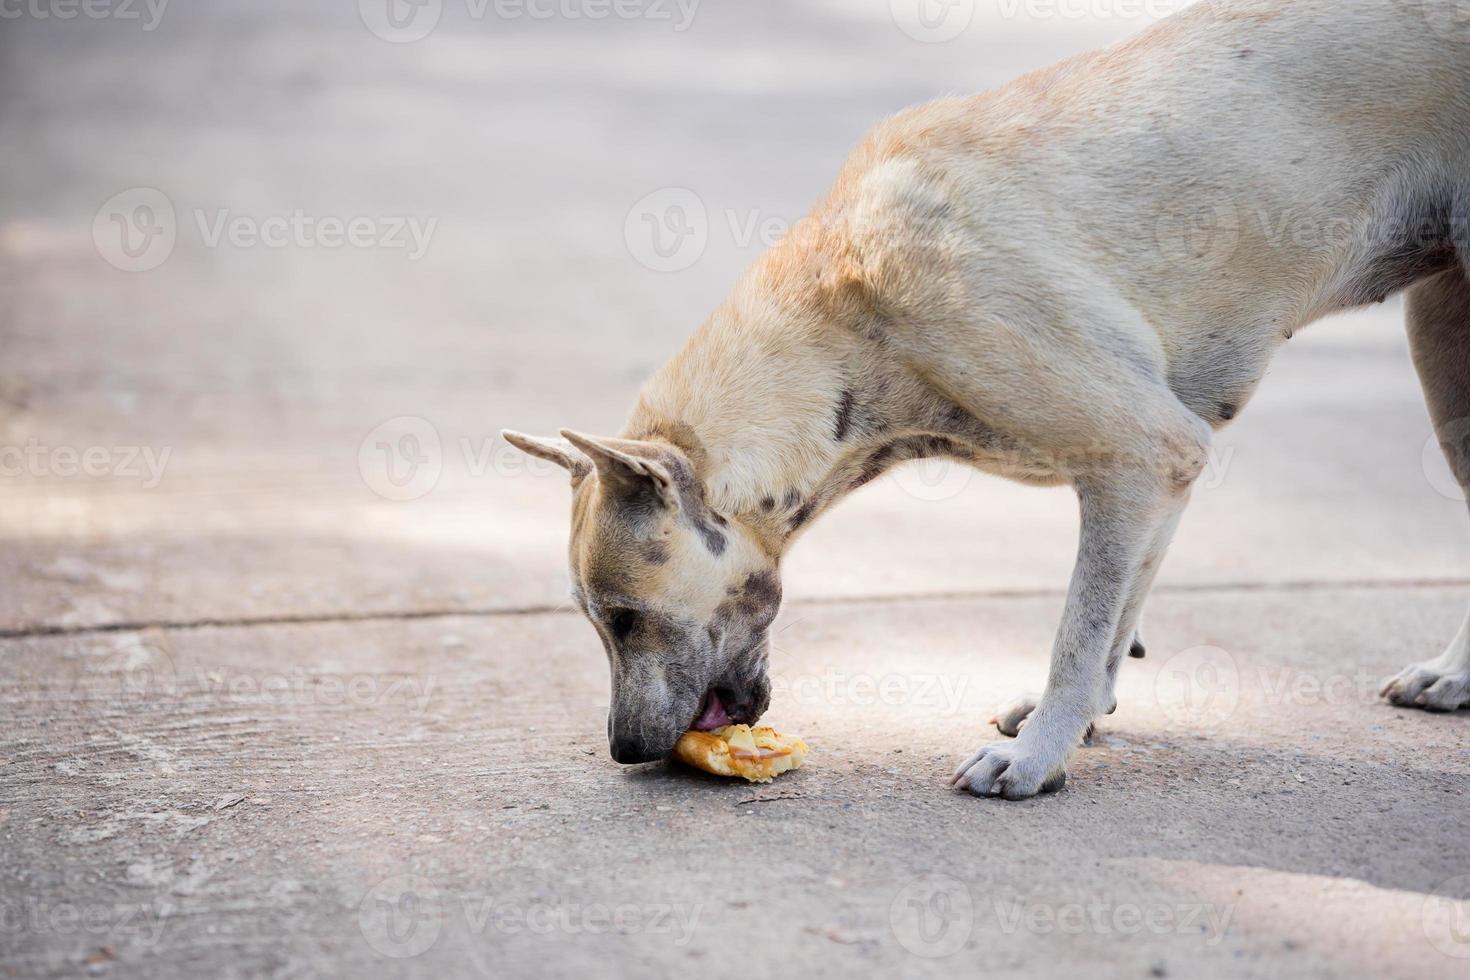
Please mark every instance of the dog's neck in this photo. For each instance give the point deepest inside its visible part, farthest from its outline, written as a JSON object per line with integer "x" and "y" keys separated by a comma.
{"x": 783, "y": 409}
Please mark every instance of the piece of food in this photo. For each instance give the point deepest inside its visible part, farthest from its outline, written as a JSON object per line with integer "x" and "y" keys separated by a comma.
{"x": 757, "y": 754}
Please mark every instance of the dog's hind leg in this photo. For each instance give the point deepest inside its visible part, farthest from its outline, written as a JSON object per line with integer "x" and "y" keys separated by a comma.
{"x": 1439, "y": 337}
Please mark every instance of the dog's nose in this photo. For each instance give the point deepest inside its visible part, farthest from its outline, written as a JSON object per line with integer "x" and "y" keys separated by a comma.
{"x": 627, "y": 752}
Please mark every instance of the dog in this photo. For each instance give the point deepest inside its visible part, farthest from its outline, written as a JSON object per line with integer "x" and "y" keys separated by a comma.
{"x": 1075, "y": 279}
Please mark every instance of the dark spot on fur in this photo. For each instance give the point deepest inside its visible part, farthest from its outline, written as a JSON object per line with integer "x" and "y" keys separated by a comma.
{"x": 956, "y": 417}
{"x": 768, "y": 503}
{"x": 864, "y": 476}
{"x": 1137, "y": 650}
{"x": 691, "y": 501}
{"x": 761, "y": 592}
{"x": 802, "y": 515}
{"x": 793, "y": 497}
{"x": 713, "y": 539}
{"x": 1244, "y": 53}
{"x": 655, "y": 553}
{"x": 842, "y": 423}
{"x": 1227, "y": 411}
{"x": 754, "y": 603}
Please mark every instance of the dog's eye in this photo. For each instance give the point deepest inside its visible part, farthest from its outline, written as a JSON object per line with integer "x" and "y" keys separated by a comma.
{"x": 621, "y": 622}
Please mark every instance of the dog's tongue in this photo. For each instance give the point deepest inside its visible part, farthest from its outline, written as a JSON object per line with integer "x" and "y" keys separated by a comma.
{"x": 713, "y": 716}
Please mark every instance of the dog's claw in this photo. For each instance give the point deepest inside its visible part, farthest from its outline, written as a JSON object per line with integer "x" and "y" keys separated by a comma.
{"x": 1429, "y": 686}
{"x": 1011, "y": 717}
{"x": 1008, "y": 771}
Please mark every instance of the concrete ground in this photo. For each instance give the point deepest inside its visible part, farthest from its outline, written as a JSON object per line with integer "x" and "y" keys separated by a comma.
{"x": 289, "y": 682}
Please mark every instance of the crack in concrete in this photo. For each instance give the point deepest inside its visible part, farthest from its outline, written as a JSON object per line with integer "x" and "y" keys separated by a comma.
{"x": 390, "y": 615}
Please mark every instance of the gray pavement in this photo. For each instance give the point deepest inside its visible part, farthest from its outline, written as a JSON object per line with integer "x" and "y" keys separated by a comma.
{"x": 261, "y": 716}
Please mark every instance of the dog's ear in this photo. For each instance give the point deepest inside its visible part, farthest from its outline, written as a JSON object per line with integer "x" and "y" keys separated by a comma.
{"x": 557, "y": 451}
{"x": 634, "y": 478}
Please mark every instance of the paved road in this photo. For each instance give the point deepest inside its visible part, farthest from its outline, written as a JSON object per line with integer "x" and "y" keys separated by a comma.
{"x": 262, "y": 715}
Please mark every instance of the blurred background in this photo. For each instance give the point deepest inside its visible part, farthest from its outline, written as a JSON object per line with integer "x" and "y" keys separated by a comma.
{"x": 504, "y": 175}
{"x": 273, "y": 275}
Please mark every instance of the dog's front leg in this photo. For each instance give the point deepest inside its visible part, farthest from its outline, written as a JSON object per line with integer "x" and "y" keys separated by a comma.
{"x": 1127, "y": 518}
{"x": 1011, "y": 717}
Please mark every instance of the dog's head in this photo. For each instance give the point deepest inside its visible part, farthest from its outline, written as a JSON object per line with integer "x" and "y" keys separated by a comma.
{"x": 681, "y": 596}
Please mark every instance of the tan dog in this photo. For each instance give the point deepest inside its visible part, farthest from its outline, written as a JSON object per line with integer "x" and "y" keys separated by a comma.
{"x": 1007, "y": 280}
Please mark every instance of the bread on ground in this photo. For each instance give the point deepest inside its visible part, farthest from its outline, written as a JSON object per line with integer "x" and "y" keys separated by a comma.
{"x": 757, "y": 754}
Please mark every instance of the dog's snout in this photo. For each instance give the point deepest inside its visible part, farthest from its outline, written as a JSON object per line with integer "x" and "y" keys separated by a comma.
{"x": 627, "y": 753}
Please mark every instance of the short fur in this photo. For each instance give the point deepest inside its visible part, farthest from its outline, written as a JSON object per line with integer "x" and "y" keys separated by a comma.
{"x": 1074, "y": 279}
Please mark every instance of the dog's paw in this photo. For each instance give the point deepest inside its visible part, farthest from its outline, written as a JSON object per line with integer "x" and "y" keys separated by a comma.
{"x": 1429, "y": 685}
{"x": 1012, "y": 770}
{"x": 1011, "y": 717}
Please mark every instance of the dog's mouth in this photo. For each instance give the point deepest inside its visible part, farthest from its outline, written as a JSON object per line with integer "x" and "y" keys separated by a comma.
{"x": 712, "y": 713}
